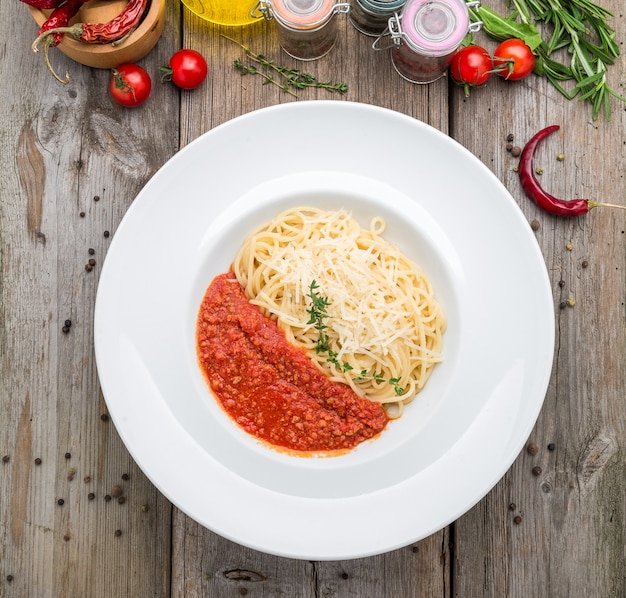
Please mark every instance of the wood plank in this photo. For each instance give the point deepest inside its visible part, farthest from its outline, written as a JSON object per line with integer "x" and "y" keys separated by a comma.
{"x": 208, "y": 565}
{"x": 572, "y": 512}
{"x": 68, "y": 150}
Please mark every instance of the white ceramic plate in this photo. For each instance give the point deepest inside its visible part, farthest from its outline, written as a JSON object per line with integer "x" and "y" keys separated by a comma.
{"x": 446, "y": 210}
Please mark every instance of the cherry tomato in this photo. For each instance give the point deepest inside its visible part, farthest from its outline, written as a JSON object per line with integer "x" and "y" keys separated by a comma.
{"x": 187, "y": 69}
{"x": 130, "y": 85}
{"x": 471, "y": 66}
{"x": 513, "y": 59}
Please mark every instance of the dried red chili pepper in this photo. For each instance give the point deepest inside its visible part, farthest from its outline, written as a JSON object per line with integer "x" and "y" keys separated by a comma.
{"x": 43, "y": 4}
{"x": 96, "y": 33}
{"x": 60, "y": 17}
{"x": 549, "y": 203}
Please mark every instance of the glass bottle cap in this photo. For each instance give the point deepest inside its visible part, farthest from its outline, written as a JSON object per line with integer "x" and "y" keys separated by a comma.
{"x": 302, "y": 14}
{"x": 435, "y": 27}
{"x": 382, "y": 6}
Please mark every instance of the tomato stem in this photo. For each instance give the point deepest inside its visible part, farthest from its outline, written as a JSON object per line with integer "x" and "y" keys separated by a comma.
{"x": 123, "y": 85}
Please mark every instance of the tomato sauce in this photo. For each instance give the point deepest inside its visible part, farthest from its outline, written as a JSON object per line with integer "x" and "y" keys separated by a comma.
{"x": 271, "y": 388}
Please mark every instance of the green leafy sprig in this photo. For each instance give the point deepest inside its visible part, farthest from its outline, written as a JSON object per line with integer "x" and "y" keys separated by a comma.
{"x": 288, "y": 79}
{"x": 578, "y": 28}
{"x": 317, "y": 316}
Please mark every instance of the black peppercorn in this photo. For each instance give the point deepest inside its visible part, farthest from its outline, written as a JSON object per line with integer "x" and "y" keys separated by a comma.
{"x": 107, "y": 497}
{"x": 551, "y": 446}
{"x": 88, "y": 267}
{"x": 91, "y": 496}
{"x": 104, "y": 417}
{"x": 517, "y": 519}
{"x": 512, "y": 506}
{"x": 510, "y": 137}
{"x": 96, "y": 198}
{"x": 6, "y": 459}
{"x": 118, "y": 532}
{"x": 82, "y": 214}
{"x": 9, "y": 578}
{"x": 537, "y": 470}
{"x": 121, "y": 500}
{"x": 68, "y": 455}
{"x": 60, "y": 502}
{"x": 91, "y": 251}
{"x": 106, "y": 233}
{"x": 92, "y": 262}
{"x": 37, "y": 461}
{"x": 125, "y": 476}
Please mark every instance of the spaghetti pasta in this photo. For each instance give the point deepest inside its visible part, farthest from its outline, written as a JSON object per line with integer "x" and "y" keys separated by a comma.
{"x": 382, "y": 325}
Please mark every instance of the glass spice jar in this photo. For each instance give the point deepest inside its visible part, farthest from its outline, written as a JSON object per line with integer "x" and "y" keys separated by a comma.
{"x": 371, "y": 16}
{"x": 307, "y": 29}
{"x": 426, "y": 36}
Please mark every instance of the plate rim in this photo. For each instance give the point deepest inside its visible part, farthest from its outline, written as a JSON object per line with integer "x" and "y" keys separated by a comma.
{"x": 341, "y": 551}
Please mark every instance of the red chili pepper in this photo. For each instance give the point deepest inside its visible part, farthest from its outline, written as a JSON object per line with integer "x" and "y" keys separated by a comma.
{"x": 96, "y": 33}
{"x": 60, "y": 17}
{"x": 43, "y": 4}
{"x": 549, "y": 203}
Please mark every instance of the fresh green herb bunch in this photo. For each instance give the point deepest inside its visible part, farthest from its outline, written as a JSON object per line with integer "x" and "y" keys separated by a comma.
{"x": 317, "y": 316}
{"x": 288, "y": 78}
{"x": 578, "y": 28}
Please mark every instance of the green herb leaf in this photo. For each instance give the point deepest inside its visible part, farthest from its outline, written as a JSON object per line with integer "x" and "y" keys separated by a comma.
{"x": 291, "y": 78}
{"x": 578, "y": 26}
{"x": 500, "y": 28}
{"x": 317, "y": 314}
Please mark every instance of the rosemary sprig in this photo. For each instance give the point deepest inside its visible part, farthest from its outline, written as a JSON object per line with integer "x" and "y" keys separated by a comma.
{"x": 288, "y": 78}
{"x": 317, "y": 315}
{"x": 578, "y": 27}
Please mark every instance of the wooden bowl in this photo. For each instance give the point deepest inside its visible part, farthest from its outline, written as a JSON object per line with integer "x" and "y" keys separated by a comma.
{"x": 107, "y": 56}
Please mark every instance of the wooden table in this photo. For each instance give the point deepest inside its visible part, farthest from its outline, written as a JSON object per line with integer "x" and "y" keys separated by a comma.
{"x": 69, "y": 150}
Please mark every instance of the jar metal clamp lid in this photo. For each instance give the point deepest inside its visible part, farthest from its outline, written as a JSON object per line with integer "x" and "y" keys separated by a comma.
{"x": 381, "y": 6}
{"x": 430, "y": 27}
{"x": 301, "y": 14}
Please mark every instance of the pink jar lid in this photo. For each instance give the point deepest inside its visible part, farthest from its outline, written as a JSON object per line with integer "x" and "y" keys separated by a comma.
{"x": 435, "y": 27}
{"x": 302, "y": 14}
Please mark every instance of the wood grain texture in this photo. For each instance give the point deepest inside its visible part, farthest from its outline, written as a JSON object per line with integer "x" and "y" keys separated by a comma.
{"x": 67, "y": 150}
{"x": 573, "y": 517}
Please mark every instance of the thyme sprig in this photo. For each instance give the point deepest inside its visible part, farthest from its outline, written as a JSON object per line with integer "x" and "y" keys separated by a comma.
{"x": 253, "y": 70}
{"x": 282, "y": 76}
{"x": 317, "y": 317}
{"x": 578, "y": 27}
